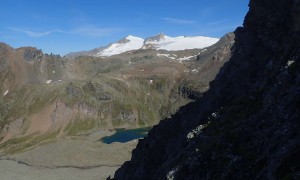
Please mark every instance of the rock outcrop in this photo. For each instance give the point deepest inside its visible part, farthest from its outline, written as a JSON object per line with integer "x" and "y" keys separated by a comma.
{"x": 246, "y": 126}
{"x": 27, "y": 65}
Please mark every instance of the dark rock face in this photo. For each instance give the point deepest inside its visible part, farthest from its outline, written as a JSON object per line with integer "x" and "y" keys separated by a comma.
{"x": 157, "y": 37}
{"x": 247, "y": 125}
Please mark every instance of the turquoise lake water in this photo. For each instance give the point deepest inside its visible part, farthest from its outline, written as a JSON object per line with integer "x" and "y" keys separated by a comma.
{"x": 125, "y": 135}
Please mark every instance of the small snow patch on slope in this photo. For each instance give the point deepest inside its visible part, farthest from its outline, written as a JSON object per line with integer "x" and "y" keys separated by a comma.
{"x": 186, "y": 58}
{"x": 5, "y": 93}
{"x": 128, "y": 44}
{"x": 165, "y": 55}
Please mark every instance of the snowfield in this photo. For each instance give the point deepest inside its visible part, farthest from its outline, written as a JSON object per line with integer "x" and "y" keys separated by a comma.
{"x": 182, "y": 42}
{"x": 130, "y": 43}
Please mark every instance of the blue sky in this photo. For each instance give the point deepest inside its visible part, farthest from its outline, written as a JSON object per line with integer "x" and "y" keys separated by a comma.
{"x": 63, "y": 26}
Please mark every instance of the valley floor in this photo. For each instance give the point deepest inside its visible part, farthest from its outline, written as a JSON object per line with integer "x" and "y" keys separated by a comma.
{"x": 68, "y": 158}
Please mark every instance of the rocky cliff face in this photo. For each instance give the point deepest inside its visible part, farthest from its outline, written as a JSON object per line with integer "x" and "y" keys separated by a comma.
{"x": 27, "y": 65}
{"x": 247, "y": 125}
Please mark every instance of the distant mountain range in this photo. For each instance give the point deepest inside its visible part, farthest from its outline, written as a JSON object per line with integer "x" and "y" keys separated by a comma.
{"x": 158, "y": 42}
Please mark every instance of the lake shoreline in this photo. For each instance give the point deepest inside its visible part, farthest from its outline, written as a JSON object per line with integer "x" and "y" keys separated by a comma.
{"x": 123, "y": 135}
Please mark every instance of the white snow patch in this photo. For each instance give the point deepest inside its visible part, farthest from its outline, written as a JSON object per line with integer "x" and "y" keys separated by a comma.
{"x": 180, "y": 59}
{"x": 290, "y": 62}
{"x": 131, "y": 43}
{"x": 5, "y": 93}
{"x": 48, "y": 81}
{"x": 186, "y": 58}
{"x": 171, "y": 174}
{"x": 165, "y": 55}
{"x": 214, "y": 114}
{"x": 148, "y": 94}
{"x": 151, "y": 81}
{"x": 195, "y": 70}
{"x": 53, "y": 72}
{"x": 196, "y": 131}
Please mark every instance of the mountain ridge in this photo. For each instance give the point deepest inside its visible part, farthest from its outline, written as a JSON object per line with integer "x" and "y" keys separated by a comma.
{"x": 159, "y": 42}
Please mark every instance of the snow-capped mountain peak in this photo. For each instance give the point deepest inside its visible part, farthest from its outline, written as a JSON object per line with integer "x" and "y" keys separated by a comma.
{"x": 159, "y": 41}
{"x": 127, "y": 44}
{"x": 131, "y": 37}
